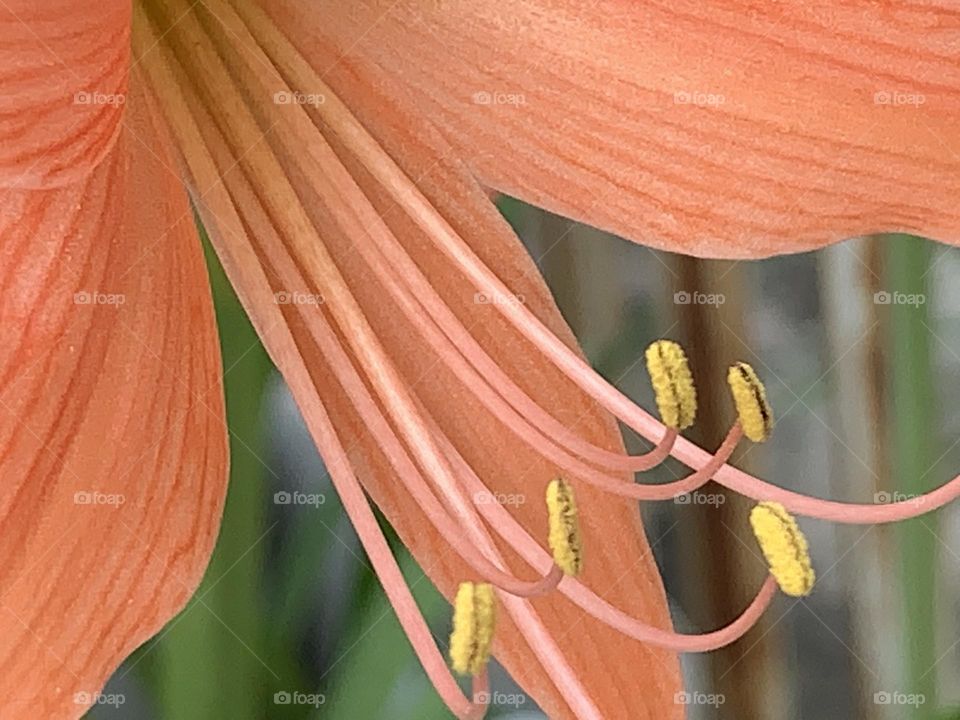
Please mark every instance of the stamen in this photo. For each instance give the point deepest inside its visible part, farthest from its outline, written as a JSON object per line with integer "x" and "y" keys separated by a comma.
{"x": 784, "y": 547}
{"x": 474, "y": 622}
{"x": 673, "y": 384}
{"x": 750, "y": 397}
{"x": 564, "y": 538}
{"x": 514, "y": 534}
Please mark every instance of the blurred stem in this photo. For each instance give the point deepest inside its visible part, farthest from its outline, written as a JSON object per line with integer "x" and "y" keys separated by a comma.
{"x": 720, "y": 562}
{"x": 913, "y": 451}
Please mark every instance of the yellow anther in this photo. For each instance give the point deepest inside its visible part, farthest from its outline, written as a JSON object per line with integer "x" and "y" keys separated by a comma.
{"x": 564, "y": 535}
{"x": 672, "y": 383}
{"x": 784, "y": 547}
{"x": 750, "y": 397}
{"x": 474, "y": 620}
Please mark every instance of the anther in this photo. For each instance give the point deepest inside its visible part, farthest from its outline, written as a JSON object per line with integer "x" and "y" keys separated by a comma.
{"x": 564, "y": 538}
{"x": 474, "y": 621}
{"x": 750, "y": 397}
{"x": 784, "y": 547}
{"x": 672, "y": 383}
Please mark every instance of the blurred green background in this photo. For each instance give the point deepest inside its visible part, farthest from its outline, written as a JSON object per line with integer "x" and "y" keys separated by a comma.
{"x": 290, "y": 621}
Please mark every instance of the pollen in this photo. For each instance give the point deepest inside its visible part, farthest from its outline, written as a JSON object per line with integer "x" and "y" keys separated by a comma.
{"x": 750, "y": 397}
{"x": 784, "y": 547}
{"x": 564, "y": 537}
{"x": 474, "y": 621}
{"x": 672, "y": 384}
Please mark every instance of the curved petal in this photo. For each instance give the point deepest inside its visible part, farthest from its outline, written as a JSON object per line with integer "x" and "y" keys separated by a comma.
{"x": 63, "y": 70}
{"x": 289, "y": 172}
{"x": 735, "y": 129}
{"x": 112, "y": 443}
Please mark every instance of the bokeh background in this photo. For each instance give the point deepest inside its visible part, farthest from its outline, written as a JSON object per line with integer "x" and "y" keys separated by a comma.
{"x": 859, "y": 345}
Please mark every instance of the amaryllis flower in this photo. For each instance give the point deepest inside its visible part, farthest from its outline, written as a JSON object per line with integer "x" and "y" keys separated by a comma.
{"x": 342, "y": 157}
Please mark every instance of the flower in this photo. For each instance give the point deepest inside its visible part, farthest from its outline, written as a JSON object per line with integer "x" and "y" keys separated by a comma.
{"x": 343, "y": 157}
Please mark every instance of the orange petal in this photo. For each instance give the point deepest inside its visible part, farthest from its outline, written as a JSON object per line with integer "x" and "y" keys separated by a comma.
{"x": 735, "y": 129}
{"x": 622, "y": 678}
{"x": 63, "y": 70}
{"x": 112, "y": 438}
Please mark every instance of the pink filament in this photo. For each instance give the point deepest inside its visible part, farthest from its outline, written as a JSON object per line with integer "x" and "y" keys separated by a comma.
{"x": 393, "y": 266}
{"x": 666, "y": 491}
{"x": 510, "y": 417}
{"x": 481, "y": 695}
